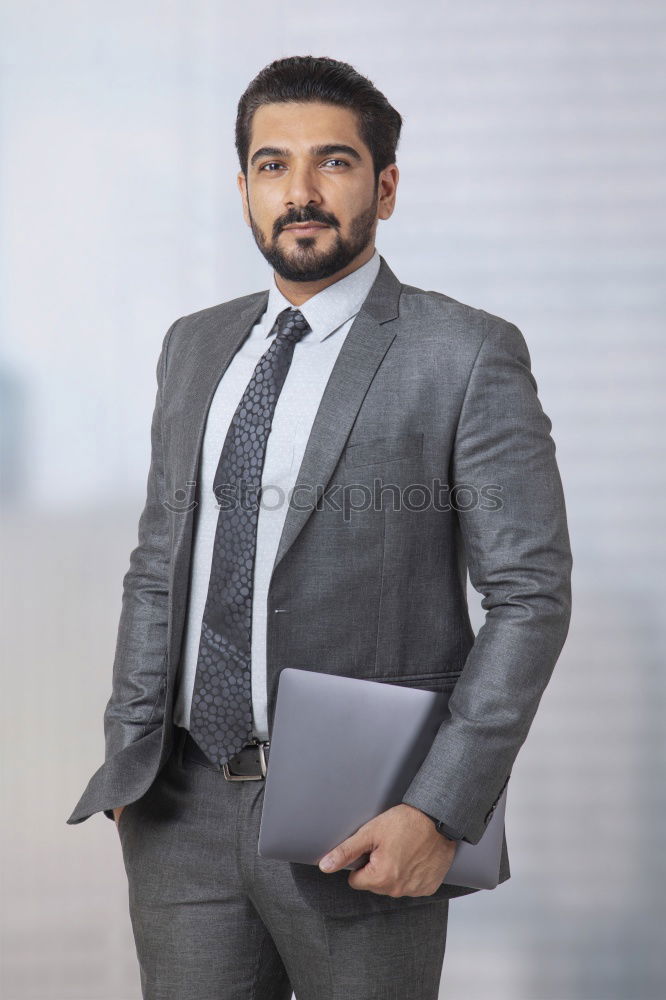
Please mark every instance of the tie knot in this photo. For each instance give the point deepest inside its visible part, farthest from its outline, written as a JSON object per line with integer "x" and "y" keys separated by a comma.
{"x": 291, "y": 325}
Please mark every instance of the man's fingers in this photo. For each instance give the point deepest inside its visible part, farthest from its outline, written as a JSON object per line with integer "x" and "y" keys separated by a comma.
{"x": 348, "y": 850}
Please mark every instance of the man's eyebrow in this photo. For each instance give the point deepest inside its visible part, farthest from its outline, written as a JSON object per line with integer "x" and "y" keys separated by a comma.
{"x": 325, "y": 150}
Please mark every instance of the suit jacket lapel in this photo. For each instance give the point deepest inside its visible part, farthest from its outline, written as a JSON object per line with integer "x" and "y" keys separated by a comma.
{"x": 366, "y": 343}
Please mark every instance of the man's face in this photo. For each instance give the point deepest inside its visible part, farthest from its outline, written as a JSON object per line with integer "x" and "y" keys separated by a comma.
{"x": 290, "y": 180}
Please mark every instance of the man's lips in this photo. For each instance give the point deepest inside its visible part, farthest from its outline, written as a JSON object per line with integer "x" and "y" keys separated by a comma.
{"x": 301, "y": 226}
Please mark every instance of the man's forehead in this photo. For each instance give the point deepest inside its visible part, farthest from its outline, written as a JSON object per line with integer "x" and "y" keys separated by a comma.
{"x": 322, "y": 120}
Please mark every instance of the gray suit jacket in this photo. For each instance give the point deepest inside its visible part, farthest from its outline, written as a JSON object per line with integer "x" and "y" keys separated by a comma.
{"x": 435, "y": 401}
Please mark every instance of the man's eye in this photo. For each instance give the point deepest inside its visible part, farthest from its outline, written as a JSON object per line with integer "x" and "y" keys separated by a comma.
{"x": 273, "y": 163}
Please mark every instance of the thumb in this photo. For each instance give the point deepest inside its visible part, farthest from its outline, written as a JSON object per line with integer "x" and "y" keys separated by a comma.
{"x": 347, "y": 851}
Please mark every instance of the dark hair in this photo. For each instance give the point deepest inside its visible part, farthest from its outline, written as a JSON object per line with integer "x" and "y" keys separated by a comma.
{"x": 318, "y": 78}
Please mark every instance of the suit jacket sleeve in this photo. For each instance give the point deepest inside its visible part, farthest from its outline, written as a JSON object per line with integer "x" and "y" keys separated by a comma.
{"x": 136, "y": 703}
{"x": 519, "y": 558}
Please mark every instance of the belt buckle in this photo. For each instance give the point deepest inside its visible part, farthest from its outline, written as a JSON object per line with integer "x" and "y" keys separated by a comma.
{"x": 230, "y": 776}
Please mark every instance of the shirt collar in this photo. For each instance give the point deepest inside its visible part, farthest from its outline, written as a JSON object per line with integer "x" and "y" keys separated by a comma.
{"x": 329, "y": 309}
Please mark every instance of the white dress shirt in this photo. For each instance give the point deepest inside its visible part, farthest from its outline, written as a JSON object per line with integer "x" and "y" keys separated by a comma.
{"x": 330, "y": 314}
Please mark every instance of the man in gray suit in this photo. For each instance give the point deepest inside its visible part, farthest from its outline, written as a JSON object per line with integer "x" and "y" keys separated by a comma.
{"x": 398, "y": 442}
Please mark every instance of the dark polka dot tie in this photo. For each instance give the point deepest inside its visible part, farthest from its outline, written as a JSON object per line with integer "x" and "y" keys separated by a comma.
{"x": 221, "y": 712}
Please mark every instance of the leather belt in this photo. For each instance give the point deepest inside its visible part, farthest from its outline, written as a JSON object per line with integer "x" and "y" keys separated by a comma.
{"x": 249, "y": 764}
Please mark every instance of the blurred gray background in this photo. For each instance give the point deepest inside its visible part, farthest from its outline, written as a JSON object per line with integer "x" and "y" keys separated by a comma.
{"x": 532, "y": 181}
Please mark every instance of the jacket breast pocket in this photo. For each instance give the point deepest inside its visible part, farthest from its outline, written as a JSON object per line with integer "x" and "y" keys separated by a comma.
{"x": 383, "y": 449}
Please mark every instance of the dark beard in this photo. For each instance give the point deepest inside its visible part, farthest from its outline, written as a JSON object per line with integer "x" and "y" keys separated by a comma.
{"x": 307, "y": 263}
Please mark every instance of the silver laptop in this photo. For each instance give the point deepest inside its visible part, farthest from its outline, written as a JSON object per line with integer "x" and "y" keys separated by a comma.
{"x": 345, "y": 749}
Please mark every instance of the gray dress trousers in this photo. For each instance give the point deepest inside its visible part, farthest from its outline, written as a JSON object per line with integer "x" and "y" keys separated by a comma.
{"x": 212, "y": 920}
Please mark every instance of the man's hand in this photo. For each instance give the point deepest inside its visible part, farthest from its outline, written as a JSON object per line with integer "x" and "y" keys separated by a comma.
{"x": 117, "y": 812}
{"x": 408, "y": 855}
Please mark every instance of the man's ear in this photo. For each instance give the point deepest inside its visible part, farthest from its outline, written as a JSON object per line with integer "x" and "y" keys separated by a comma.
{"x": 242, "y": 187}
